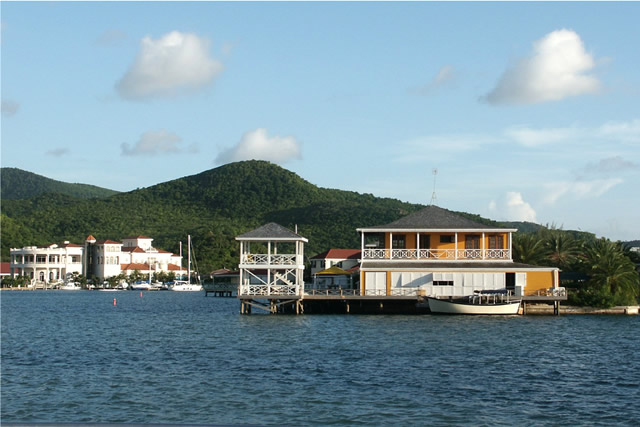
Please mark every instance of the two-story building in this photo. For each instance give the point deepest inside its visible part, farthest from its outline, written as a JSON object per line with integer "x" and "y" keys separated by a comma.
{"x": 437, "y": 252}
{"x": 46, "y": 263}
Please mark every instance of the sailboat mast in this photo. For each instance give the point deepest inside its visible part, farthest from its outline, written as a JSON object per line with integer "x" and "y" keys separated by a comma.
{"x": 189, "y": 256}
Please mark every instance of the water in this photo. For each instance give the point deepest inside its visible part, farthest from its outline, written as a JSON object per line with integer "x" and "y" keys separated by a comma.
{"x": 182, "y": 358}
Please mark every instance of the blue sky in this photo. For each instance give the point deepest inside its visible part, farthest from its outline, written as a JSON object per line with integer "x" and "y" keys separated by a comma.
{"x": 528, "y": 111}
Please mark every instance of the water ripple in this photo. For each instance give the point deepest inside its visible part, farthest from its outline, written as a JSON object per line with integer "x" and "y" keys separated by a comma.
{"x": 181, "y": 358}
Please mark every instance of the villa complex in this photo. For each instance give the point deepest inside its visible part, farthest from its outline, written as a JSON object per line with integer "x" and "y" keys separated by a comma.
{"x": 98, "y": 258}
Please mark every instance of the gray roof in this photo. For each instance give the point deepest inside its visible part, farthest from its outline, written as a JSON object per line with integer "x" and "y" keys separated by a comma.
{"x": 271, "y": 231}
{"x": 454, "y": 265}
{"x": 433, "y": 217}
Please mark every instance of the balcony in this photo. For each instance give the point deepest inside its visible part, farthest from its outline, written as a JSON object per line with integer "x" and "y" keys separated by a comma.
{"x": 269, "y": 259}
{"x": 437, "y": 254}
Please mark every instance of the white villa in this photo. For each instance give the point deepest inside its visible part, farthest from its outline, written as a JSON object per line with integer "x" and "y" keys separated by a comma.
{"x": 102, "y": 259}
{"x": 46, "y": 263}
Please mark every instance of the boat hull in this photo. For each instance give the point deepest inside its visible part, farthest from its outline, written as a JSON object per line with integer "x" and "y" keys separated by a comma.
{"x": 186, "y": 288}
{"x": 459, "y": 307}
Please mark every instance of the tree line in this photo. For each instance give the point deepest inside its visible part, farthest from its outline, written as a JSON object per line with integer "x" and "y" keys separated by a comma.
{"x": 605, "y": 273}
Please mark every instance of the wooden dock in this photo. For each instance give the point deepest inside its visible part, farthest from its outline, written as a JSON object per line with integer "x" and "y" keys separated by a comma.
{"x": 352, "y": 302}
{"x": 227, "y": 290}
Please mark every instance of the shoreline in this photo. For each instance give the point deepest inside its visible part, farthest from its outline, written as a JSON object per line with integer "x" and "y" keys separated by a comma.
{"x": 536, "y": 309}
{"x": 532, "y": 309}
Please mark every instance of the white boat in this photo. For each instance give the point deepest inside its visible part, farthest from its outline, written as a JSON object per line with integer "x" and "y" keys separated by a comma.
{"x": 142, "y": 286}
{"x": 474, "y": 304}
{"x": 70, "y": 286}
{"x": 186, "y": 285}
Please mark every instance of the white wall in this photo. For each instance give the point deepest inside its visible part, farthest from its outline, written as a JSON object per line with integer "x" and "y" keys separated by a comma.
{"x": 463, "y": 283}
{"x": 375, "y": 283}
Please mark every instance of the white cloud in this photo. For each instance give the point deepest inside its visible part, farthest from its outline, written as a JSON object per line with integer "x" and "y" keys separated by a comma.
{"x": 580, "y": 189}
{"x": 9, "y": 108}
{"x": 556, "y": 69}
{"x": 152, "y": 143}
{"x": 512, "y": 207}
{"x": 176, "y": 63}
{"x": 257, "y": 145}
{"x": 625, "y": 132}
{"x": 535, "y": 137}
{"x": 628, "y": 132}
{"x": 445, "y": 77}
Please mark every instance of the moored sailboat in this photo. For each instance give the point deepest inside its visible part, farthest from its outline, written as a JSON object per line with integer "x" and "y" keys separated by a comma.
{"x": 188, "y": 285}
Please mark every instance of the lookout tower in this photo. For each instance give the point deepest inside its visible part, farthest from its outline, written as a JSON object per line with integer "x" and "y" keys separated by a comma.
{"x": 271, "y": 268}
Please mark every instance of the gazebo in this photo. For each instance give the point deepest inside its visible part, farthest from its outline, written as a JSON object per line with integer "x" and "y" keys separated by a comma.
{"x": 271, "y": 268}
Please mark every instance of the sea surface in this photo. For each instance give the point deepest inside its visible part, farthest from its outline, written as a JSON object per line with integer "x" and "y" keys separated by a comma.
{"x": 182, "y": 358}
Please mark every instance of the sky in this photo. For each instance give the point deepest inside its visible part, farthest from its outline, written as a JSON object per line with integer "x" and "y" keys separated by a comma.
{"x": 510, "y": 110}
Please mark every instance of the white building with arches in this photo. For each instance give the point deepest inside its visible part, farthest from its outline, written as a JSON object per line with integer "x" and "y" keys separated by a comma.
{"x": 97, "y": 258}
{"x": 47, "y": 263}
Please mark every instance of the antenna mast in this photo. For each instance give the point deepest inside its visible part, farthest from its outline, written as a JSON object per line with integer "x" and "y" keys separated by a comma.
{"x": 433, "y": 195}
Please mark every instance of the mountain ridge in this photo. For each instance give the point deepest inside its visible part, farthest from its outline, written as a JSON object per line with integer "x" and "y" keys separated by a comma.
{"x": 18, "y": 184}
{"x": 213, "y": 206}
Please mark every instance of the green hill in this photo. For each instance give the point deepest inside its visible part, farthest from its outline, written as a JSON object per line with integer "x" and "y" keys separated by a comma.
{"x": 213, "y": 207}
{"x": 17, "y": 184}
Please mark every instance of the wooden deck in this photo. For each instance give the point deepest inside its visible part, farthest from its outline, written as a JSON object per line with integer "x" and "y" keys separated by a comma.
{"x": 351, "y": 301}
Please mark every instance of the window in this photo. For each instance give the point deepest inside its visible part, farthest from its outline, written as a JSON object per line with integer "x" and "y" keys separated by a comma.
{"x": 425, "y": 241}
{"x": 472, "y": 241}
{"x": 41, "y": 259}
{"x": 496, "y": 242}
{"x": 447, "y": 239}
{"x": 443, "y": 283}
{"x": 399, "y": 241}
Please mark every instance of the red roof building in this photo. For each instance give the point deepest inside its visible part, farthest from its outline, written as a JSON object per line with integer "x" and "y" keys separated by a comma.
{"x": 343, "y": 258}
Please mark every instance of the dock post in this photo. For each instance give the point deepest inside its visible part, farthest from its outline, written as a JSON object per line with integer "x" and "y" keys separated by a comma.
{"x": 347, "y": 307}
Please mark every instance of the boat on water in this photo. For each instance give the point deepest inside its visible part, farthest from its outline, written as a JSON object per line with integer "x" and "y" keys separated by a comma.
{"x": 141, "y": 286}
{"x": 185, "y": 286}
{"x": 188, "y": 285}
{"x": 475, "y": 304}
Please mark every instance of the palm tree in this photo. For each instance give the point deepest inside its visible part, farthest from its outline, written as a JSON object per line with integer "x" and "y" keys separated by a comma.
{"x": 529, "y": 249}
{"x": 612, "y": 273}
{"x": 563, "y": 249}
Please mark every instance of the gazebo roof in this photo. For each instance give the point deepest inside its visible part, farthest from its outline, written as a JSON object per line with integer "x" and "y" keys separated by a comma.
{"x": 270, "y": 232}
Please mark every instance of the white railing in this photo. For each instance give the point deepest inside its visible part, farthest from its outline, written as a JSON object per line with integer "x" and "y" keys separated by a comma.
{"x": 268, "y": 290}
{"x": 266, "y": 259}
{"x": 437, "y": 254}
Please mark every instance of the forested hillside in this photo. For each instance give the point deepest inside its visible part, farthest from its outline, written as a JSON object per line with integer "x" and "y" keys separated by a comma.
{"x": 18, "y": 184}
{"x": 213, "y": 206}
